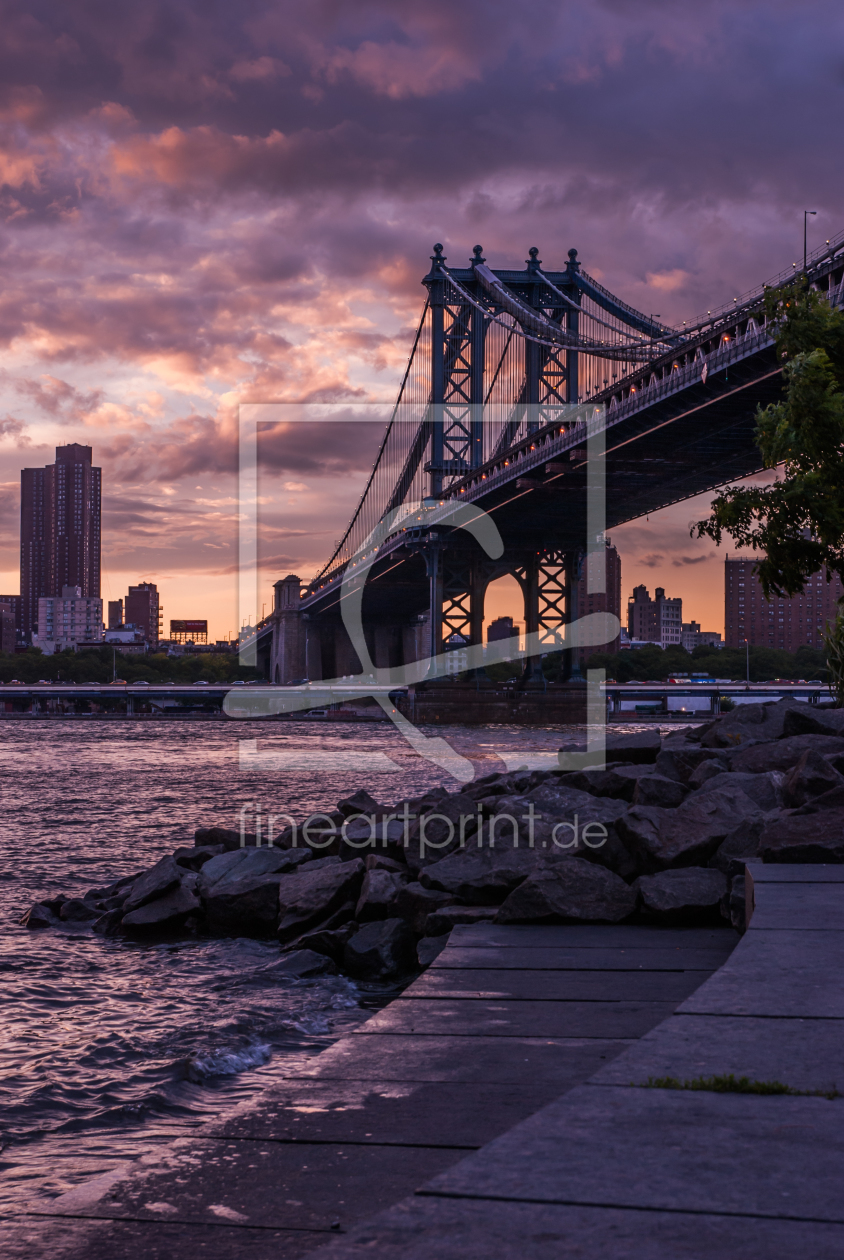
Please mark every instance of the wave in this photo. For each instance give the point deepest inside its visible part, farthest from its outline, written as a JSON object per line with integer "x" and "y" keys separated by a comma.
{"x": 227, "y": 1061}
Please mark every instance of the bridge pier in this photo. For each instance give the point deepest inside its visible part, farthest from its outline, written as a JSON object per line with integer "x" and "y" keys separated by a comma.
{"x": 287, "y": 658}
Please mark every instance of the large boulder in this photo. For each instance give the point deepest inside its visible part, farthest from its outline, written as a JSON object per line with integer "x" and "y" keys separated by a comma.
{"x": 740, "y": 846}
{"x": 378, "y": 895}
{"x": 783, "y": 753}
{"x": 164, "y": 914}
{"x": 811, "y": 776}
{"x": 598, "y": 782}
{"x": 657, "y": 789}
{"x": 834, "y": 799}
{"x": 568, "y": 891}
{"x": 441, "y": 921}
{"x": 750, "y": 723}
{"x": 359, "y": 802}
{"x": 812, "y": 838}
{"x": 240, "y": 890}
{"x": 641, "y": 748}
{"x": 192, "y": 859}
{"x": 681, "y": 762}
{"x": 307, "y": 897}
{"x": 299, "y": 964}
{"x": 441, "y": 829}
{"x": 75, "y": 910}
{"x": 415, "y": 902}
{"x": 481, "y": 877}
{"x": 814, "y": 719}
{"x": 331, "y": 942}
{"x": 687, "y": 836}
{"x": 154, "y": 883}
{"x": 38, "y": 917}
{"x": 380, "y": 951}
{"x": 682, "y": 896}
{"x": 430, "y": 948}
{"x": 766, "y": 790}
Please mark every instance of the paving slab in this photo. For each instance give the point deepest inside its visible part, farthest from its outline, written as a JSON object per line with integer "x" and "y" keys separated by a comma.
{"x": 670, "y": 1150}
{"x": 480, "y": 1018}
{"x": 783, "y": 873}
{"x": 589, "y": 936}
{"x": 605, "y": 986}
{"x": 798, "y": 907}
{"x": 805, "y": 1054}
{"x": 596, "y": 958}
{"x": 30, "y": 1237}
{"x": 444, "y": 1229}
{"x": 276, "y": 1185}
{"x": 778, "y": 972}
{"x": 559, "y": 1062}
{"x": 383, "y": 1113}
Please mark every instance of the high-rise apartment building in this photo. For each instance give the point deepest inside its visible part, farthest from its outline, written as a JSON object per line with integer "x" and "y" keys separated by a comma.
{"x": 60, "y": 530}
{"x": 781, "y": 623}
{"x": 603, "y": 572}
{"x": 658, "y": 620}
{"x": 12, "y": 604}
{"x": 115, "y": 614}
{"x": 142, "y": 610}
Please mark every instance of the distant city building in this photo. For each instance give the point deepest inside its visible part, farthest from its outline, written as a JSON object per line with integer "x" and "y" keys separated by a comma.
{"x": 142, "y": 610}
{"x": 11, "y": 604}
{"x": 658, "y": 620}
{"x": 124, "y": 634}
{"x": 60, "y": 530}
{"x": 607, "y": 596}
{"x": 501, "y": 628}
{"x": 694, "y": 637}
{"x": 188, "y": 631}
{"x": 781, "y": 623}
{"x": 457, "y": 658}
{"x": 66, "y": 620}
{"x": 8, "y": 630}
{"x": 115, "y": 614}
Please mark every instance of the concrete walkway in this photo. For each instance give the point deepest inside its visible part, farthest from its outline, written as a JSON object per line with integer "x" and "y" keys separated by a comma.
{"x": 612, "y": 1170}
{"x": 506, "y": 1021}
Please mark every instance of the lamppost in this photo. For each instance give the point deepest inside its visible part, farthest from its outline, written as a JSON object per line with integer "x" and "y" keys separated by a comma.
{"x": 806, "y": 214}
{"x": 747, "y": 658}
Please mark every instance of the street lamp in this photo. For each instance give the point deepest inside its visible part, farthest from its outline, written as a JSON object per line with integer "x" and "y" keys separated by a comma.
{"x": 806, "y": 214}
{"x": 747, "y": 658}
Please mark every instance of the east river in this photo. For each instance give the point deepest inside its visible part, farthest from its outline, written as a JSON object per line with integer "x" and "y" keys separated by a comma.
{"x": 109, "y": 1047}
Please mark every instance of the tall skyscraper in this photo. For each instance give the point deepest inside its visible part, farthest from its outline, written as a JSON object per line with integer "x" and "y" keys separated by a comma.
{"x": 60, "y": 530}
{"x": 603, "y": 571}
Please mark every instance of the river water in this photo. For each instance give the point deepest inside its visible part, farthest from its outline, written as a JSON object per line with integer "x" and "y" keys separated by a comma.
{"x": 108, "y": 1047}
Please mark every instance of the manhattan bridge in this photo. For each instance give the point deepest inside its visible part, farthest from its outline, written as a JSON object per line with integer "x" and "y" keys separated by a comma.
{"x": 510, "y": 375}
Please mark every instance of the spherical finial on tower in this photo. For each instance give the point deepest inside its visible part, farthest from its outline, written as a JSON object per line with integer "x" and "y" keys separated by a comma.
{"x": 437, "y": 255}
{"x": 572, "y": 254}
{"x": 478, "y": 252}
{"x": 534, "y": 253}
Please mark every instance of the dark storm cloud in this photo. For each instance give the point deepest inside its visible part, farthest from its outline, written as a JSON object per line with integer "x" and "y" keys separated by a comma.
{"x": 207, "y": 195}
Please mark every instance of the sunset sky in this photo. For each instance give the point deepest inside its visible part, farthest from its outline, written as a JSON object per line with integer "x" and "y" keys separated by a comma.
{"x": 204, "y": 204}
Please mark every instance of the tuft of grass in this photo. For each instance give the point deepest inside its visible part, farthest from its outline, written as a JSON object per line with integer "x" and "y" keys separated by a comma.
{"x": 730, "y": 1084}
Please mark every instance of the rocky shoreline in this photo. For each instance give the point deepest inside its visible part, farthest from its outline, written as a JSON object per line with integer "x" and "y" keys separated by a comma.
{"x": 661, "y": 834}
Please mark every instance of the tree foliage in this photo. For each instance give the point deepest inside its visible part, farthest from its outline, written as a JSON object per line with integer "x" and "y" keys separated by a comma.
{"x": 651, "y": 663}
{"x": 97, "y": 665}
{"x": 797, "y": 523}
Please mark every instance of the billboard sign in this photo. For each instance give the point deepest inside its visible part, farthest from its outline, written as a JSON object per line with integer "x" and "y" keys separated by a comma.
{"x": 188, "y": 627}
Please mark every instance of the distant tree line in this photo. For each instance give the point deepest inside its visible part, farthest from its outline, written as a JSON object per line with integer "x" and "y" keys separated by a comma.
{"x": 97, "y": 666}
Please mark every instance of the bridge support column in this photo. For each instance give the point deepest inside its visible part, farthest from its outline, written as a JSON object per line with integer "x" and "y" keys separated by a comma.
{"x": 571, "y": 657}
{"x": 287, "y": 659}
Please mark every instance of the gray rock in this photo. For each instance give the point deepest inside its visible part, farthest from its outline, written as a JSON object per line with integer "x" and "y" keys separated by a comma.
{"x": 38, "y": 917}
{"x": 668, "y": 765}
{"x": 681, "y": 762}
{"x": 765, "y": 789}
{"x": 784, "y": 753}
{"x": 481, "y": 877}
{"x": 415, "y": 903}
{"x": 437, "y": 831}
{"x": 569, "y": 891}
{"x": 748, "y": 723}
{"x": 639, "y": 749}
{"x": 163, "y": 914}
{"x": 429, "y": 948}
{"x": 308, "y": 897}
{"x": 250, "y": 864}
{"x": 811, "y": 776}
{"x": 108, "y": 924}
{"x": 734, "y": 905}
{"x": 833, "y": 799}
{"x": 380, "y": 951}
{"x": 244, "y": 905}
{"x": 442, "y": 921}
{"x": 154, "y": 883}
{"x": 380, "y": 862}
{"x": 193, "y": 859}
{"x": 329, "y": 941}
{"x": 599, "y": 782}
{"x": 687, "y": 836}
{"x": 814, "y": 719}
{"x": 811, "y": 838}
{"x": 229, "y": 839}
{"x": 359, "y": 802}
{"x": 299, "y": 964}
{"x": 655, "y": 789}
{"x": 78, "y": 911}
{"x": 708, "y": 769}
{"x": 378, "y": 895}
{"x": 682, "y": 896}
{"x": 740, "y": 846}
